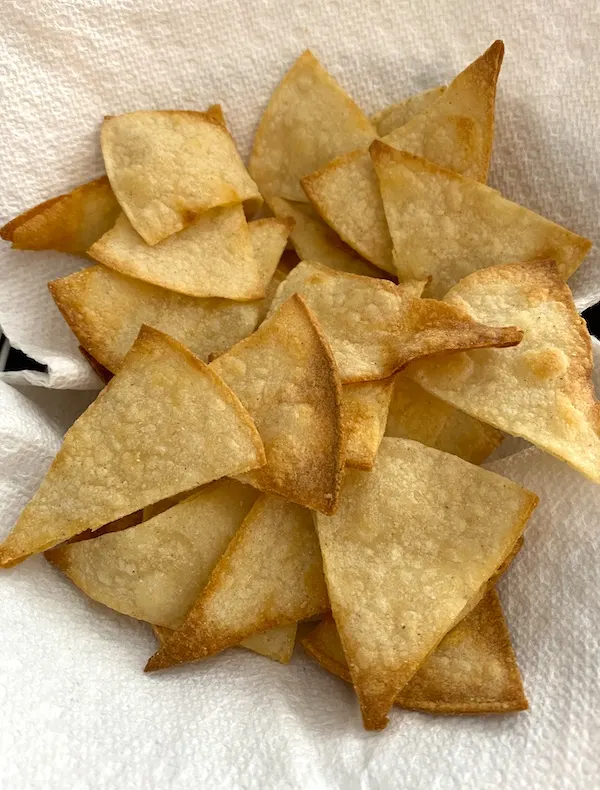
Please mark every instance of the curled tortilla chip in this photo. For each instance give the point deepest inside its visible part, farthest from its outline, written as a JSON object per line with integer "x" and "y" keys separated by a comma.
{"x": 456, "y": 131}
{"x": 375, "y": 327}
{"x": 409, "y": 550}
{"x": 270, "y": 575}
{"x": 473, "y": 670}
{"x": 445, "y": 226}
{"x": 166, "y": 167}
{"x": 416, "y": 414}
{"x": 68, "y": 223}
{"x": 309, "y": 120}
{"x": 365, "y": 409}
{"x": 286, "y": 377}
{"x": 165, "y": 423}
{"x": 396, "y": 115}
{"x": 541, "y": 390}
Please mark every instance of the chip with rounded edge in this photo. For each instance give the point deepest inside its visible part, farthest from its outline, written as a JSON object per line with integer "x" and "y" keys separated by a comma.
{"x": 396, "y": 115}
{"x": 365, "y": 408}
{"x": 375, "y": 327}
{"x": 165, "y": 423}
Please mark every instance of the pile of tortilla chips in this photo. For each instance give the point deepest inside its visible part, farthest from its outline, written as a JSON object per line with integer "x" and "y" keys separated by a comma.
{"x": 287, "y": 440}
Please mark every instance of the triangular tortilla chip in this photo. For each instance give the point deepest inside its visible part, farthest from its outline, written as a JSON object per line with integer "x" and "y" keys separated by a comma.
{"x": 416, "y": 414}
{"x": 105, "y": 309}
{"x": 473, "y": 669}
{"x": 270, "y": 575}
{"x": 541, "y": 390}
{"x": 411, "y": 546}
{"x": 168, "y": 166}
{"x": 68, "y": 223}
{"x": 211, "y": 257}
{"x": 165, "y": 423}
{"x": 445, "y": 226}
{"x": 309, "y": 120}
{"x": 456, "y": 131}
{"x": 375, "y": 327}
{"x": 365, "y": 409}
{"x": 396, "y": 115}
{"x": 314, "y": 240}
{"x": 285, "y": 376}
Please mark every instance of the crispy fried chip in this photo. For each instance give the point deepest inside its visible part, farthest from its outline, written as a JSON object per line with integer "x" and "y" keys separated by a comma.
{"x": 365, "y": 409}
{"x": 416, "y": 414}
{"x": 456, "y": 131}
{"x": 285, "y": 376}
{"x": 168, "y": 166}
{"x": 541, "y": 390}
{"x": 445, "y": 226}
{"x": 105, "y": 309}
{"x": 309, "y": 120}
{"x": 102, "y": 372}
{"x": 375, "y": 328}
{"x": 413, "y": 542}
{"x": 396, "y": 115}
{"x": 211, "y": 257}
{"x": 472, "y": 670}
{"x": 270, "y": 575}
{"x": 165, "y": 423}
{"x": 68, "y": 223}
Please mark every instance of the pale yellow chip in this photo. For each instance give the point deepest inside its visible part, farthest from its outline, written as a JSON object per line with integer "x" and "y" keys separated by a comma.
{"x": 396, "y": 115}
{"x": 271, "y": 575}
{"x": 412, "y": 544}
{"x": 168, "y": 166}
{"x": 67, "y": 223}
{"x": 309, "y": 120}
{"x": 314, "y": 240}
{"x": 456, "y": 131}
{"x": 211, "y": 257}
{"x": 105, "y": 308}
{"x": 416, "y": 414}
{"x": 375, "y": 327}
{"x": 165, "y": 423}
{"x": 286, "y": 377}
{"x": 365, "y": 409}
{"x": 541, "y": 390}
{"x": 473, "y": 670}
{"x": 445, "y": 226}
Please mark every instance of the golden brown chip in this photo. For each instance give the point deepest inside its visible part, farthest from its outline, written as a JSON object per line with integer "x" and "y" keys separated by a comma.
{"x": 541, "y": 390}
{"x": 473, "y": 669}
{"x": 168, "y": 166}
{"x": 412, "y": 544}
{"x": 445, "y": 226}
{"x": 375, "y": 327}
{"x": 103, "y": 373}
{"x": 285, "y": 376}
{"x": 309, "y": 120}
{"x": 396, "y": 115}
{"x": 365, "y": 409}
{"x": 68, "y": 223}
{"x": 270, "y": 575}
{"x": 416, "y": 414}
{"x": 165, "y": 423}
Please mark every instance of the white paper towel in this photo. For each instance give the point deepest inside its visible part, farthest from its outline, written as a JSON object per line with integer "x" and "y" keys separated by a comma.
{"x": 77, "y": 711}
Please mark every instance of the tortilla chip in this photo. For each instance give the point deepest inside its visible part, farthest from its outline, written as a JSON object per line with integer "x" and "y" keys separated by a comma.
{"x": 541, "y": 390}
{"x": 215, "y": 111}
{"x": 365, "y": 409}
{"x": 270, "y": 575}
{"x": 166, "y": 167}
{"x": 375, "y": 327}
{"x": 413, "y": 542}
{"x": 68, "y": 223}
{"x": 456, "y": 131}
{"x": 103, "y": 373}
{"x": 285, "y": 376}
{"x": 416, "y": 414}
{"x": 472, "y": 671}
{"x": 105, "y": 309}
{"x": 396, "y": 115}
{"x": 315, "y": 241}
{"x": 309, "y": 120}
{"x": 445, "y": 226}
{"x": 165, "y": 423}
